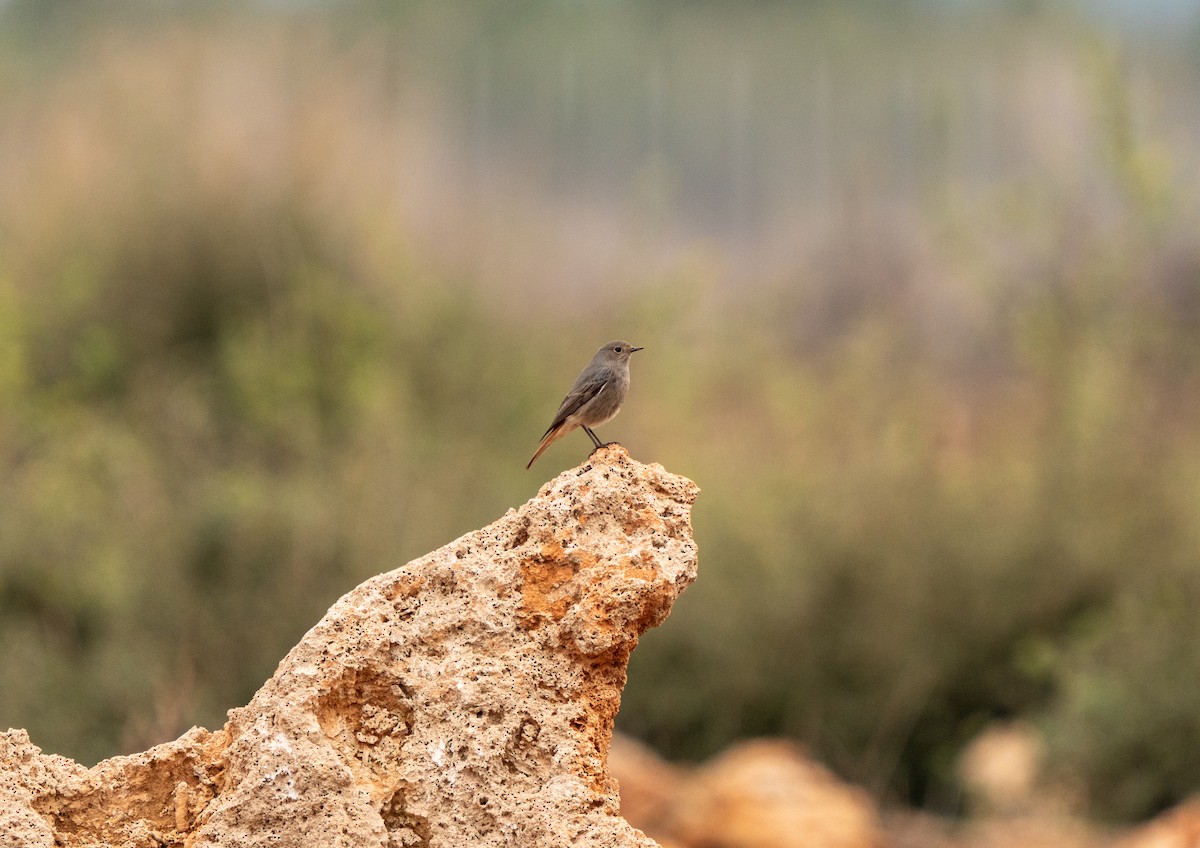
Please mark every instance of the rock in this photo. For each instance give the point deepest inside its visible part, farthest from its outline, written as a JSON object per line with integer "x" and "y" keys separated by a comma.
{"x": 1176, "y": 828}
{"x": 758, "y": 794}
{"x": 649, "y": 786}
{"x": 1032, "y": 831}
{"x": 914, "y": 829}
{"x": 1000, "y": 769}
{"x": 907, "y": 828}
{"x": 466, "y": 698}
{"x": 1012, "y": 798}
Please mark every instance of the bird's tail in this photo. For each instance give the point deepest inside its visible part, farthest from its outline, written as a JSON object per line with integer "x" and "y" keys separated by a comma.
{"x": 552, "y": 436}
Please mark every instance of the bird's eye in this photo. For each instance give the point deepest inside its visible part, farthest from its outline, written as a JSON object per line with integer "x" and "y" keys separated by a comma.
{"x": 618, "y": 348}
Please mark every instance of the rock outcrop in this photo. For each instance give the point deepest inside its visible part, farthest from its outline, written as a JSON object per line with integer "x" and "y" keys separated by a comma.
{"x": 466, "y": 698}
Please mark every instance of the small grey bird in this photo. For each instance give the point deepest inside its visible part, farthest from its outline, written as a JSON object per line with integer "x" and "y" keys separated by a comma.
{"x": 595, "y": 398}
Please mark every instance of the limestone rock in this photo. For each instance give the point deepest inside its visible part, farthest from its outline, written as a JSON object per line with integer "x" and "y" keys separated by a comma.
{"x": 765, "y": 793}
{"x": 650, "y": 786}
{"x": 466, "y": 698}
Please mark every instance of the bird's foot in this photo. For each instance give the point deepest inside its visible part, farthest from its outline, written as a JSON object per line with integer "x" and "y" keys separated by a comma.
{"x": 602, "y": 446}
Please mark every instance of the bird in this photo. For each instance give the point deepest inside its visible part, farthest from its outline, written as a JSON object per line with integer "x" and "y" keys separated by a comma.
{"x": 595, "y": 398}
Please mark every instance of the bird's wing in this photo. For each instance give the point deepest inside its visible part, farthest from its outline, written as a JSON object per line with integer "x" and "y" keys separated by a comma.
{"x": 580, "y": 394}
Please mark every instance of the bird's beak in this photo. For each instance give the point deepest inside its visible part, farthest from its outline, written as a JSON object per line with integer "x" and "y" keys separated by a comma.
{"x": 635, "y": 349}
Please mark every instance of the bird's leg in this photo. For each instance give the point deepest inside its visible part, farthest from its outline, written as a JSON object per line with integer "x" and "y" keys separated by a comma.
{"x": 599, "y": 444}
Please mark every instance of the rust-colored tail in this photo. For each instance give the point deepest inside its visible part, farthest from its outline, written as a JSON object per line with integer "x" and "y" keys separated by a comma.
{"x": 552, "y": 436}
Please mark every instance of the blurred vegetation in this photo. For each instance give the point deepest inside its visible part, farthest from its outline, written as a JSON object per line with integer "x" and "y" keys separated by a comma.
{"x": 285, "y": 301}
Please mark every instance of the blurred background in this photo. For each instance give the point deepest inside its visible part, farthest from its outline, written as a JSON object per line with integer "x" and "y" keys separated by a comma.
{"x": 289, "y": 290}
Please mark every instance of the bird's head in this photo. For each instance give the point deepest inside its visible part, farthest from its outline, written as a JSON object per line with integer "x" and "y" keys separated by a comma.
{"x": 617, "y": 352}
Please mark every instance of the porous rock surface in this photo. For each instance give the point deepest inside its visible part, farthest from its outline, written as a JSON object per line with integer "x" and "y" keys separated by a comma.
{"x": 464, "y": 699}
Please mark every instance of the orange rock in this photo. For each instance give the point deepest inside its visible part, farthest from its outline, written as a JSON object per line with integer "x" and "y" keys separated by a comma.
{"x": 466, "y": 698}
{"x": 767, "y": 794}
{"x": 649, "y": 785}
